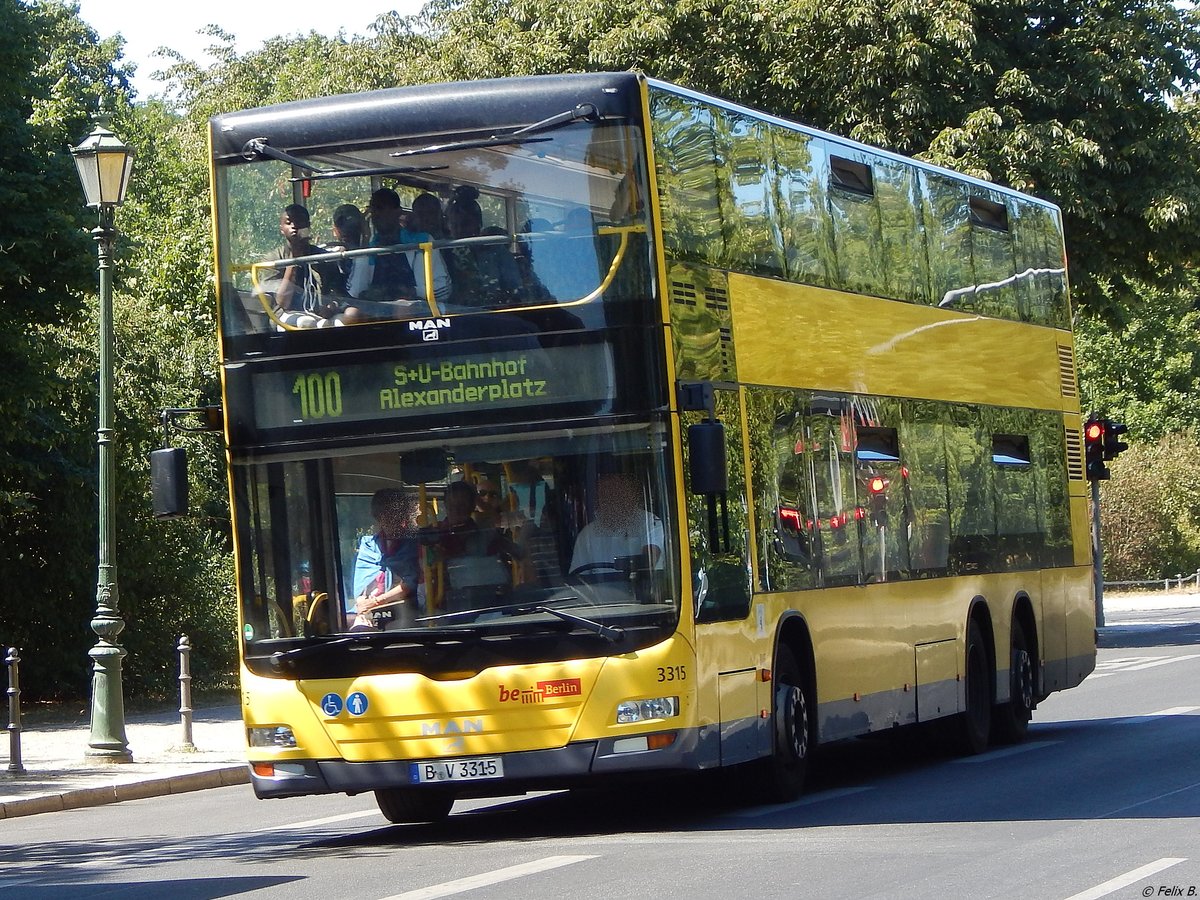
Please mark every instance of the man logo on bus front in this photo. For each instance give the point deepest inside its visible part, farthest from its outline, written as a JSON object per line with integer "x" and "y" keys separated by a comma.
{"x": 428, "y": 327}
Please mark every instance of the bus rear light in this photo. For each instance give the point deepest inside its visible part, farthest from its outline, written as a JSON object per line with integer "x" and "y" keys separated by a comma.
{"x": 271, "y": 736}
{"x": 632, "y": 711}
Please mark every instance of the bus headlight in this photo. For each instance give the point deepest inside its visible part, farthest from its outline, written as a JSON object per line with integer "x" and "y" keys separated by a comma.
{"x": 631, "y": 711}
{"x": 271, "y": 736}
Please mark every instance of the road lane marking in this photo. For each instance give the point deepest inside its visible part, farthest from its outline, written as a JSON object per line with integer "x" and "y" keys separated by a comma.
{"x": 1138, "y": 663}
{"x": 1160, "y": 662}
{"x": 1182, "y": 790}
{"x": 461, "y": 885}
{"x": 1115, "y": 884}
{"x": 1007, "y": 751}
{"x": 1173, "y": 711}
{"x": 314, "y": 823}
{"x": 803, "y": 801}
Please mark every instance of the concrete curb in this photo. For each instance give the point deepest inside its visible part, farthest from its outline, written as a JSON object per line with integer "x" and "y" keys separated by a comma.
{"x": 80, "y": 798}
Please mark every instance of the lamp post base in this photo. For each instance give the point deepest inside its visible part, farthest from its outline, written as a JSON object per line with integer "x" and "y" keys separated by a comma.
{"x": 107, "y": 742}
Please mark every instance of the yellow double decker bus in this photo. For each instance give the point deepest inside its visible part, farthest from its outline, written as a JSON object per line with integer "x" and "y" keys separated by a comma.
{"x": 586, "y": 427}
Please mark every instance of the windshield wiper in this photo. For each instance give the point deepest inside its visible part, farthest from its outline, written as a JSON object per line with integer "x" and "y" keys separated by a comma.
{"x": 321, "y": 174}
{"x": 608, "y": 632}
{"x": 259, "y": 148}
{"x": 582, "y": 112}
{"x": 520, "y": 609}
{"x": 511, "y": 608}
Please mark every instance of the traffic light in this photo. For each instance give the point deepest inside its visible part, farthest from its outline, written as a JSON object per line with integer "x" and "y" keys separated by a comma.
{"x": 1094, "y": 431}
{"x": 1113, "y": 446}
{"x": 877, "y": 487}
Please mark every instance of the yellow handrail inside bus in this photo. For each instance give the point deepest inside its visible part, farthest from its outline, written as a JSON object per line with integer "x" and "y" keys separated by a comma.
{"x": 427, "y": 248}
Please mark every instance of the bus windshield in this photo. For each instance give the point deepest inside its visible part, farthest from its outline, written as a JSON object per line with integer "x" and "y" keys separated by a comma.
{"x": 561, "y": 537}
{"x": 429, "y": 224}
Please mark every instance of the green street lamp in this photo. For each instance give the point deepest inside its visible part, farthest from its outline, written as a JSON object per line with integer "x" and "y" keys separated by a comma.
{"x": 104, "y": 164}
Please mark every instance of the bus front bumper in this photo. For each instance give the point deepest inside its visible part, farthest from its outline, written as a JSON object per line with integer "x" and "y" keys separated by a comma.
{"x": 567, "y": 766}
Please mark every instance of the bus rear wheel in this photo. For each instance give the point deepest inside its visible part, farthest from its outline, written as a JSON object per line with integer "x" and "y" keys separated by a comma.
{"x": 975, "y": 721}
{"x": 781, "y": 775}
{"x": 406, "y": 805}
{"x": 1010, "y": 722}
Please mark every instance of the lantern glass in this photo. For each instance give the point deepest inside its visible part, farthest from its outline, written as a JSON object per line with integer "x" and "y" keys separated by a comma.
{"x": 104, "y": 165}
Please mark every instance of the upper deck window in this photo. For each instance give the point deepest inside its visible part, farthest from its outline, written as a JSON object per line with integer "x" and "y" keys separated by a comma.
{"x": 851, "y": 176}
{"x": 988, "y": 214}
{"x": 414, "y": 226}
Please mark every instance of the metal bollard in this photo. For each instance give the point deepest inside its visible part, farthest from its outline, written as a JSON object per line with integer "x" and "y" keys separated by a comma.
{"x": 185, "y": 691}
{"x": 14, "y": 712}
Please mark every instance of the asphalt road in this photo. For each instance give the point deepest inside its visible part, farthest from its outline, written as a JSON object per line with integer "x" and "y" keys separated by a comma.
{"x": 1103, "y": 800}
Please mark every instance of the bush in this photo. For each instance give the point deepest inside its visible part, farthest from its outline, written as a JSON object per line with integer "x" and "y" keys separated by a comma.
{"x": 1150, "y": 510}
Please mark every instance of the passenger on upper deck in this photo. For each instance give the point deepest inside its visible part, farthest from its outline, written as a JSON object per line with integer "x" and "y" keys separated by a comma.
{"x": 305, "y": 295}
{"x": 425, "y": 225}
{"x": 427, "y": 216}
{"x": 350, "y": 232}
{"x": 483, "y": 274}
{"x": 392, "y": 277}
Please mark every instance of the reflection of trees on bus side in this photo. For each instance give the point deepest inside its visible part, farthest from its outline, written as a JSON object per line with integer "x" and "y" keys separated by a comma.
{"x": 951, "y": 504}
{"x": 754, "y": 196}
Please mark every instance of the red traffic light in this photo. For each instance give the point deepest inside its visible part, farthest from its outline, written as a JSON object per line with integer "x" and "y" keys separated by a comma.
{"x": 877, "y": 484}
{"x": 1095, "y": 430}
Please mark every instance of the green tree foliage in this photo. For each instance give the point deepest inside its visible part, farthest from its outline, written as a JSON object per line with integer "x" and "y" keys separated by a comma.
{"x": 46, "y": 265}
{"x": 1151, "y": 521}
{"x": 170, "y": 580}
{"x": 1145, "y": 371}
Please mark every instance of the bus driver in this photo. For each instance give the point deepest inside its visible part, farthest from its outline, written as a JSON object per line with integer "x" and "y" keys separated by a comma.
{"x": 623, "y": 528}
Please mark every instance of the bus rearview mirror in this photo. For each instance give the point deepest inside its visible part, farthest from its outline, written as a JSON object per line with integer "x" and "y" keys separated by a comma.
{"x": 706, "y": 458}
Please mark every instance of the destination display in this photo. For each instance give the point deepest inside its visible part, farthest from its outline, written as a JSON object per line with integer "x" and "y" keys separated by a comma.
{"x": 454, "y": 384}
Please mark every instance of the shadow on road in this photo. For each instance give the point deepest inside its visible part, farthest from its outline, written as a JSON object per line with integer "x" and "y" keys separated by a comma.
{"x": 1150, "y": 635}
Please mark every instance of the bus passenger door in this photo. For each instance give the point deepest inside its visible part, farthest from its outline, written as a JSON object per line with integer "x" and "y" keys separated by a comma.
{"x": 727, "y": 647}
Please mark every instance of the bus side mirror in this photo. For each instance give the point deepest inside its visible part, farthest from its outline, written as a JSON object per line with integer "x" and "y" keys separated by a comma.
{"x": 169, "y": 482}
{"x": 706, "y": 458}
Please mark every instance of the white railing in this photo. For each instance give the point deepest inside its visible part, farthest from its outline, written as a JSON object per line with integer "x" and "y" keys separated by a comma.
{"x": 1176, "y": 583}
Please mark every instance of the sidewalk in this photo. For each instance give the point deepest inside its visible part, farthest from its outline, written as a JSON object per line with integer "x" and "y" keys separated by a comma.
{"x": 59, "y": 776}
{"x": 1149, "y": 601}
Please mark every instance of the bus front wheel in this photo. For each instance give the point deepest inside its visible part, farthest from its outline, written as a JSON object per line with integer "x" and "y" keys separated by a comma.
{"x": 406, "y": 805}
{"x": 782, "y": 774}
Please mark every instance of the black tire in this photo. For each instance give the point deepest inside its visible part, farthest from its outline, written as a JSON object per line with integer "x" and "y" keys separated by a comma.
{"x": 407, "y": 805}
{"x": 781, "y": 775}
{"x": 1010, "y": 721}
{"x": 975, "y": 722}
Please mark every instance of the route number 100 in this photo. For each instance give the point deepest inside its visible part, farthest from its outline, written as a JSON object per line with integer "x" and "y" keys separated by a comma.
{"x": 320, "y": 394}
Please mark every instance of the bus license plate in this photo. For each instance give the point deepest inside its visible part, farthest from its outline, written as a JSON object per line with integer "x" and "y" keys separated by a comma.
{"x": 457, "y": 770}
